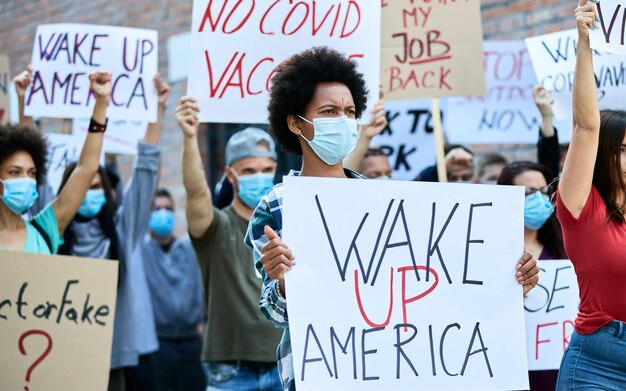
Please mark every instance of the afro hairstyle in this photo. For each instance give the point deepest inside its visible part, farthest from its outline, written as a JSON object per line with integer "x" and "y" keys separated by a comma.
{"x": 14, "y": 138}
{"x": 294, "y": 84}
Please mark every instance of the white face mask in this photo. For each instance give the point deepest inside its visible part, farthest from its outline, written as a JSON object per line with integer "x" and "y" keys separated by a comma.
{"x": 334, "y": 138}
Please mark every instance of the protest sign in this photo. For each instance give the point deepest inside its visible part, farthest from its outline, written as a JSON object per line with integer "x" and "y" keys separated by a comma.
{"x": 507, "y": 114}
{"x": 408, "y": 139}
{"x": 62, "y": 150}
{"x": 65, "y": 54}
{"x": 56, "y": 322}
{"x": 551, "y": 309}
{"x": 121, "y": 136}
{"x": 610, "y": 35}
{"x": 554, "y": 59}
{"x": 431, "y": 49}
{"x": 404, "y": 285}
{"x": 235, "y": 47}
{"x": 5, "y": 87}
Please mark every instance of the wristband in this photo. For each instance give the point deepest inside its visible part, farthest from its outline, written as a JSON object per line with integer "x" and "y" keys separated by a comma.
{"x": 95, "y": 127}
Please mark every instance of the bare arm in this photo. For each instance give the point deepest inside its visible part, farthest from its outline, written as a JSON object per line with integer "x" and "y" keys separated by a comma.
{"x": 69, "y": 200}
{"x": 154, "y": 128}
{"x": 366, "y": 134}
{"x": 578, "y": 169}
{"x": 199, "y": 208}
{"x": 21, "y": 82}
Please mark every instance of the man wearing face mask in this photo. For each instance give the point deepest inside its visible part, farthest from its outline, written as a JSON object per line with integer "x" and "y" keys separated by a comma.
{"x": 177, "y": 300}
{"x": 239, "y": 351}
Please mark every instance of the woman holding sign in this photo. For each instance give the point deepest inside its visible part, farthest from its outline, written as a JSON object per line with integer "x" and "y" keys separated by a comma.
{"x": 23, "y": 153}
{"x": 315, "y": 99}
{"x": 590, "y": 206}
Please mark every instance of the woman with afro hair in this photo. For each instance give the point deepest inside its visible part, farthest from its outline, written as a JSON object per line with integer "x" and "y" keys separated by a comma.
{"x": 23, "y": 153}
{"x": 315, "y": 99}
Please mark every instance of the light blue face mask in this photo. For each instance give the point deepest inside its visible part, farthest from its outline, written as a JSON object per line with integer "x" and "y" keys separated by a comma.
{"x": 537, "y": 210}
{"x": 93, "y": 203}
{"x": 334, "y": 138}
{"x": 162, "y": 222}
{"x": 19, "y": 194}
{"x": 252, "y": 188}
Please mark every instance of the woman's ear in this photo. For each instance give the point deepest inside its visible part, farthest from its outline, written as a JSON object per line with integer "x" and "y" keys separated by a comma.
{"x": 293, "y": 122}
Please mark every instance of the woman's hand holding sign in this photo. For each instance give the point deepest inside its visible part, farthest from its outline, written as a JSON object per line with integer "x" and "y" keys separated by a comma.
{"x": 527, "y": 271}
{"x": 276, "y": 258}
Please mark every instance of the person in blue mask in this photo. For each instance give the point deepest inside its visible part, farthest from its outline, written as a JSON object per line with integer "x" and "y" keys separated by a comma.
{"x": 239, "y": 345}
{"x": 23, "y": 153}
{"x": 107, "y": 229}
{"x": 315, "y": 99}
{"x": 542, "y": 231}
{"x": 177, "y": 300}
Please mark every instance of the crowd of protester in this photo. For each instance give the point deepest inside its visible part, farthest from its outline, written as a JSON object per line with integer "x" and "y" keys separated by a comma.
{"x": 188, "y": 314}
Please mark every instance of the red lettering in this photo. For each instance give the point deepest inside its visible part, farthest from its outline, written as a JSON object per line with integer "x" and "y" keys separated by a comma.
{"x": 262, "y": 22}
{"x": 243, "y": 21}
{"x": 540, "y": 341}
{"x": 208, "y": 16}
{"x": 415, "y": 298}
{"x": 252, "y": 74}
{"x": 314, "y": 28}
{"x": 290, "y": 14}
{"x": 358, "y": 299}
{"x": 566, "y": 335}
{"x": 345, "y": 21}
{"x": 443, "y": 73}
{"x": 213, "y": 89}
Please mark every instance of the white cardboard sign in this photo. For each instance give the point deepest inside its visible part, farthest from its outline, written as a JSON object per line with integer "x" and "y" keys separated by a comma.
{"x": 550, "y": 311}
{"x": 236, "y": 45}
{"x": 610, "y": 36}
{"x": 121, "y": 136}
{"x": 409, "y": 287}
{"x": 63, "y": 56}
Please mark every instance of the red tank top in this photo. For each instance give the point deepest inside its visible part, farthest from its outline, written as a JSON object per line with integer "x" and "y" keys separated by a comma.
{"x": 597, "y": 250}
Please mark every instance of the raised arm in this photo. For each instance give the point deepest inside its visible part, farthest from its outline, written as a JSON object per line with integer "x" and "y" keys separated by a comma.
{"x": 199, "y": 208}
{"x": 366, "y": 134}
{"x": 577, "y": 177}
{"x": 548, "y": 150}
{"x": 72, "y": 195}
{"x": 21, "y": 82}
{"x": 153, "y": 131}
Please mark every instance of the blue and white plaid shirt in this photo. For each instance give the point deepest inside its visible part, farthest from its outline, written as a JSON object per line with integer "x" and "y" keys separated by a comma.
{"x": 272, "y": 304}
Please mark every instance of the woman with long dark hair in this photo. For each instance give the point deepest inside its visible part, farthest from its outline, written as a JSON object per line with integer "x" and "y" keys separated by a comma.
{"x": 106, "y": 229}
{"x": 590, "y": 206}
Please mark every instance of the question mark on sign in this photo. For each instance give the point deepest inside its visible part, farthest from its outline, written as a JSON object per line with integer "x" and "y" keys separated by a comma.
{"x": 41, "y": 357}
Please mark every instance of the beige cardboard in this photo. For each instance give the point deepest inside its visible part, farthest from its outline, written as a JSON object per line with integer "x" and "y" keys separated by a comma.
{"x": 452, "y": 65}
{"x": 79, "y": 358}
{"x": 5, "y": 85}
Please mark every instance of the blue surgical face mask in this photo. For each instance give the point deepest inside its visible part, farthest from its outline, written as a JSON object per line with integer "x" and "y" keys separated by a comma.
{"x": 334, "y": 138}
{"x": 19, "y": 194}
{"x": 253, "y": 187}
{"x": 93, "y": 203}
{"x": 537, "y": 210}
{"x": 162, "y": 222}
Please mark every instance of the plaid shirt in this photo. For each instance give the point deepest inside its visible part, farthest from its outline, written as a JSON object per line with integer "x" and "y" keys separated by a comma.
{"x": 272, "y": 304}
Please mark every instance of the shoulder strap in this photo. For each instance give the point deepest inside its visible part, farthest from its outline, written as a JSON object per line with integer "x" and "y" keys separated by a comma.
{"x": 43, "y": 234}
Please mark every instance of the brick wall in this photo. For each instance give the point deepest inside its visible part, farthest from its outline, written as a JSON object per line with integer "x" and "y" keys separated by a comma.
{"x": 502, "y": 19}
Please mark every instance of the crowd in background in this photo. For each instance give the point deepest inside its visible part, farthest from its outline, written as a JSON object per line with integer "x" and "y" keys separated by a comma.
{"x": 188, "y": 314}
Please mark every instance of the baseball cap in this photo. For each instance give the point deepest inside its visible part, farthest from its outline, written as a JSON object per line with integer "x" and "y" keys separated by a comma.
{"x": 249, "y": 142}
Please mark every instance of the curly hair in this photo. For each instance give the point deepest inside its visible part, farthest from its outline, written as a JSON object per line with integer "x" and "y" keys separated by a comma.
{"x": 294, "y": 84}
{"x": 14, "y": 138}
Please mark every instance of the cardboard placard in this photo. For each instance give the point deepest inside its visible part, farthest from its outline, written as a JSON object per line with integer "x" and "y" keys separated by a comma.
{"x": 408, "y": 139}
{"x": 554, "y": 60}
{"x": 121, "y": 136}
{"x": 56, "y": 321}
{"x": 5, "y": 86}
{"x": 63, "y": 56}
{"x": 610, "y": 35}
{"x": 507, "y": 114}
{"x": 236, "y": 45}
{"x": 431, "y": 49}
{"x": 550, "y": 311}
{"x": 410, "y": 287}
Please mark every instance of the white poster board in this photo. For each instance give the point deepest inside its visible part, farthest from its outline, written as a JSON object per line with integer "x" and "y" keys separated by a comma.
{"x": 408, "y": 140}
{"x": 554, "y": 59}
{"x": 550, "y": 311}
{"x": 63, "y": 56}
{"x": 415, "y": 281}
{"x": 609, "y": 36}
{"x": 121, "y": 136}
{"x": 62, "y": 150}
{"x": 236, "y": 45}
{"x": 507, "y": 114}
